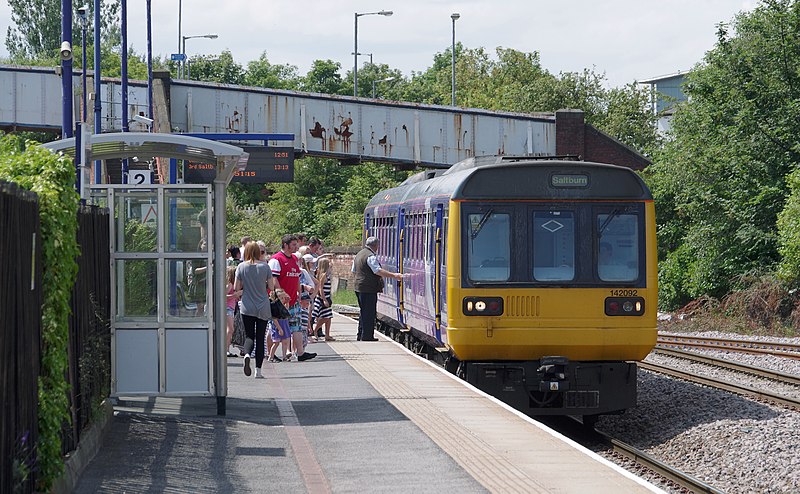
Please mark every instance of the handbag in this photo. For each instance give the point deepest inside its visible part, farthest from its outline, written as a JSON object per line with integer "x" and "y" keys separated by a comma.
{"x": 381, "y": 284}
{"x": 238, "y": 329}
{"x": 278, "y": 310}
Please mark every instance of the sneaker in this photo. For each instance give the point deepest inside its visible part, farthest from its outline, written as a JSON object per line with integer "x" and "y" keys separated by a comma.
{"x": 306, "y": 356}
{"x": 236, "y": 355}
{"x": 247, "y": 370}
{"x": 275, "y": 360}
{"x": 288, "y": 357}
{"x": 258, "y": 373}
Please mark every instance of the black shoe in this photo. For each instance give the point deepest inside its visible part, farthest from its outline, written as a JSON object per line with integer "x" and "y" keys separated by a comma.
{"x": 369, "y": 339}
{"x": 247, "y": 370}
{"x": 306, "y": 356}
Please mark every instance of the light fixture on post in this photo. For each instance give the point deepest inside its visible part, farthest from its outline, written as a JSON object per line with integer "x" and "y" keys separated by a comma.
{"x": 455, "y": 16}
{"x": 355, "y": 45}
{"x": 365, "y": 55}
{"x": 183, "y": 46}
{"x": 380, "y": 80}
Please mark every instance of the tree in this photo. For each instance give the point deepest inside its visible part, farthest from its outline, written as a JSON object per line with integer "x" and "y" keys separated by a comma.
{"x": 261, "y": 73}
{"x": 36, "y": 30}
{"x": 721, "y": 182}
{"x": 324, "y": 78}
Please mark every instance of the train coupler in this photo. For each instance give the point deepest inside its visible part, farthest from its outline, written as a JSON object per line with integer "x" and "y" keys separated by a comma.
{"x": 553, "y": 371}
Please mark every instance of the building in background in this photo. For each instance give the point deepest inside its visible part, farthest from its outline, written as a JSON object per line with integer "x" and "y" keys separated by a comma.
{"x": 667, "y": 93}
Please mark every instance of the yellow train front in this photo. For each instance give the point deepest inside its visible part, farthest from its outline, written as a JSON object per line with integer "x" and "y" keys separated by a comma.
{"x": 536, "y": 280}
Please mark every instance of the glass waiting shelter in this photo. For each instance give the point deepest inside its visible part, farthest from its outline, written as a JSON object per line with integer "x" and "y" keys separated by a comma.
{"x": 168, "y": 254}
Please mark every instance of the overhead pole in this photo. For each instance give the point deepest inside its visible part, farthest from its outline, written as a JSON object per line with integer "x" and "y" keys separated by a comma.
{"x": 124, "y": 61}
{"x": 98, "y": 172}
{"x": 66, "y": 69}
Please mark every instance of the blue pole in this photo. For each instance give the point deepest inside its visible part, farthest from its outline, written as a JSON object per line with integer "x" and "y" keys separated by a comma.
{"x": 83, "y": 63}
{"x": 124, "y": 61}
{"x": 98, "y": 172}
{"x": 149, "y": 64}
{"x": 66, "y": 71}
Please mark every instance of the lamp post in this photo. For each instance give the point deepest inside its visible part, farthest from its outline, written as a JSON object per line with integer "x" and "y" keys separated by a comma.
{"x": 355, "y": 45}
{"x": 183, "y": 47}
{"x": 84, "y": 22}
{"x": 381, "y": 80}
{"x": 455, "y": 16}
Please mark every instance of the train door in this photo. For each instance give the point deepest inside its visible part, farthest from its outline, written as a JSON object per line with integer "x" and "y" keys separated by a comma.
{"x": 401, "y": 241}
{"x": 437, "y": 269}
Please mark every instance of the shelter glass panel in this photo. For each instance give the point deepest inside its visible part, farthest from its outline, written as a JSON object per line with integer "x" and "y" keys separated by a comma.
{"x": 137, "y": 292}
{"x": 185, "y": 300}
{"x": 187, "y": 224}
{"x": 137, "y": 217}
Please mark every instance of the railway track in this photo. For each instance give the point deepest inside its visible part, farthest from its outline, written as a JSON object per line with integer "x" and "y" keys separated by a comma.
{"x": 748, "y": 391}
{"x": 627, "y": 456}
{"x": 778, "y": 349}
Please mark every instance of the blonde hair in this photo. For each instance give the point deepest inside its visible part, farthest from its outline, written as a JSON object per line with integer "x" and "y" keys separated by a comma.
{"x": 323, "y": 265}
{"x": 231, "y": 272}
{"x": 252, "y": 252}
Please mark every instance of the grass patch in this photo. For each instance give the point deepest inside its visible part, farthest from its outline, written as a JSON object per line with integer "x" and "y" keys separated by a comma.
{"x": 345, "y": 297}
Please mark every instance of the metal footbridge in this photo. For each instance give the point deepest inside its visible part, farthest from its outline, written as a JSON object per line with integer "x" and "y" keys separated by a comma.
{"x": 347, "y": 128}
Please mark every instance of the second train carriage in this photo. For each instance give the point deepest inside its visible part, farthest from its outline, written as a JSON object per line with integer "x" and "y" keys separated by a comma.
{"x": 535, "y": 279}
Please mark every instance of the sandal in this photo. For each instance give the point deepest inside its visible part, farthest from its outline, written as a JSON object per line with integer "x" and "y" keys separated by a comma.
{"x": 330, "y": 338}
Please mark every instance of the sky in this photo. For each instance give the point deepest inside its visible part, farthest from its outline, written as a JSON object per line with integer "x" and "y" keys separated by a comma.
{"x": 626, "y": 40}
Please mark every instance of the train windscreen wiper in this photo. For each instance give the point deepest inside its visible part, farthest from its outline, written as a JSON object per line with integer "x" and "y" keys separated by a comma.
{"x": 610, "y": 217}
{"x": 477, "y": 229}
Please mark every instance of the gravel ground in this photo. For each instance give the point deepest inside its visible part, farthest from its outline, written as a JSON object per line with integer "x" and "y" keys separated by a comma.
{"x": 732, "y": 443}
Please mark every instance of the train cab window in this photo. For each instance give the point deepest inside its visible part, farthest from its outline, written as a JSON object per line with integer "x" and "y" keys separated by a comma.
{"x": 553, "y": 245}
{"x": 618, "y": 247}
{"x": 489, "y": 246}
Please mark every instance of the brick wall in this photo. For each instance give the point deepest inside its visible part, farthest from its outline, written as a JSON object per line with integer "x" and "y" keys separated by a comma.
{"x": 574, "y": 137}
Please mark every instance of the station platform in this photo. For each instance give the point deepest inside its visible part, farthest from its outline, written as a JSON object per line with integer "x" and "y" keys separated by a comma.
{"x": 361, "y": 417}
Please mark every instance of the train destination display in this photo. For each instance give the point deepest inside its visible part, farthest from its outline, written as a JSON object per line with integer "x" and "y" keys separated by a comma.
{"x": 265, "y": 165}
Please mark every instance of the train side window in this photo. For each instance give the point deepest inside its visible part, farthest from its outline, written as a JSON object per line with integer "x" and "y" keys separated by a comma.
{"x": 553, "y": 245}
{"x": 618, "y": 247}
{"x": 488, "y": 239}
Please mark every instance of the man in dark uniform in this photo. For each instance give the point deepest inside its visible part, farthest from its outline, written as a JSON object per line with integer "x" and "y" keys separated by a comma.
{"x": 368, "y": 284}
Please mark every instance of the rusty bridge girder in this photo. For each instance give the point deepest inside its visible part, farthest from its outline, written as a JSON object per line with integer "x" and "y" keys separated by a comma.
{"x": 343, "y": 127}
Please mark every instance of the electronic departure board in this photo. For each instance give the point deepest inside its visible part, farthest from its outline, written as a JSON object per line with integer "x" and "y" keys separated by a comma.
{"x": 265, "y": 165}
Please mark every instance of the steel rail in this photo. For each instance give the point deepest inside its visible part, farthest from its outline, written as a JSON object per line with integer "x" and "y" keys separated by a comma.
{"x": 787, "y": 350}
{"x": 720, "y": 384}
{"x": 781, "y": 377}
{"x": 683, "y": 479}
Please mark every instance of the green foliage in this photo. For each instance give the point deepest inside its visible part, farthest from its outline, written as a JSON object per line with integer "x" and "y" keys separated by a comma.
{"x": 789, "y": 232}
{"x": 36, "y": 31}
{"x": 52, "y": 178}
{"x": 140, "y": 275}
{"x": 720, "y": 183}
{"x": 345, "y": 297}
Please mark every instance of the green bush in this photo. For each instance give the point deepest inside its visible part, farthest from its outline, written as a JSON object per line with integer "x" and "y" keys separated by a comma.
{"x": 52, "y": 178}
{"x": 789, "y": 233}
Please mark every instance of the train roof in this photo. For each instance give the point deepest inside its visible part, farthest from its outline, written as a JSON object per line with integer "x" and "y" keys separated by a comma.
{"x": 520, "y": 178}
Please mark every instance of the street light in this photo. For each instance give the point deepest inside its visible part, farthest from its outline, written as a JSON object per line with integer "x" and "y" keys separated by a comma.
{"x": 380, "y": 80}
{"x": 84, "y": 22}
{"x": 455, "y": 16}
{"x": 355, "y": 46}
{"x": 365, "y": 55}
{"x": 183, "y": 46}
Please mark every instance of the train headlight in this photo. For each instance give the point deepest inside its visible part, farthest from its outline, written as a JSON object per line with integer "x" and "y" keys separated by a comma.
{"x": 624, "y": 306}
{"x": 482, "y": 306}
